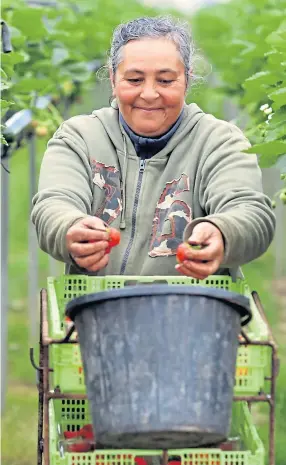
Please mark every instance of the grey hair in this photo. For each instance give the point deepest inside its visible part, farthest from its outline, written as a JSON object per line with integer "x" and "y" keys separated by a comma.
{"x": 154, "y": 27}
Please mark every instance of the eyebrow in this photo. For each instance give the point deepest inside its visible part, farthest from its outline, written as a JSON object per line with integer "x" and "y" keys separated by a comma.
{"x": 160, "y": 71}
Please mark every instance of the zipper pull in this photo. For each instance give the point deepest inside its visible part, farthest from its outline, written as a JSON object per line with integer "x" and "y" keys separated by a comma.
{"x": 142, "y": 164}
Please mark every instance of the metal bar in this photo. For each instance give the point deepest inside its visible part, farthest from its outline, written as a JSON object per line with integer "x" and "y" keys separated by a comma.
{"x": 64, "y": 395}
{"x": 274, "y": 373}
{"x": 274, "y": 370}
{"x": 4, "y": 274}
{"x": 32, "y": 360}
{"x": 32, "y": 246}
{"x": 45, "y": 332}
{"x": 61, "y": 341}
{"x": 258, "y": 398}
{"x": 45, "y": 380}
{"x": 165, "y": 457}
{"x": 257, "y": 343}
{"x": 48, "y": 340}
{"x": 41, "y": 393}
{"x": 69, "y": 334}
{"x": 243, "y": 333}
{"x": 5, "y": 38}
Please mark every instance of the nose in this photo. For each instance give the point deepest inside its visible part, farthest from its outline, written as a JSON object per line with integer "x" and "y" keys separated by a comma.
{"x": 149, "y": 92}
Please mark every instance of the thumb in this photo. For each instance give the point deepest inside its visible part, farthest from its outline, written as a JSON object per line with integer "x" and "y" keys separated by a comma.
{"x": 200, "y": 234}
{"x": 93, "y": 222}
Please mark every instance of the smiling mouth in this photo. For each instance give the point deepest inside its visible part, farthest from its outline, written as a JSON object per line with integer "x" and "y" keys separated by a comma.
{"x": 148, "y": 109}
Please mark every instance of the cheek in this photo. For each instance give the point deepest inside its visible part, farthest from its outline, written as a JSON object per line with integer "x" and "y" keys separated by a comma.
{"x": 126, "y": 94}
{"x": 173, "y": 97}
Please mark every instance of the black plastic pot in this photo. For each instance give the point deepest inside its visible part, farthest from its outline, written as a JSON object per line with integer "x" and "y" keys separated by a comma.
{"x": 159, "y": 363}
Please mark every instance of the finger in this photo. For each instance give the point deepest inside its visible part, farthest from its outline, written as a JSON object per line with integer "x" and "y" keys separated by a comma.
{"x": 202, "y": 269}
{"x": 201, "y": 233}
{"x": 209, "y": 252}
{"x": 186, "y": 272}
{"x": 82, "y": 234}
{"x": 90, "y": 260}
{"x": 78, "y": 249}
{"x": 93, "y": 222}
{"x": 102, "y": 263}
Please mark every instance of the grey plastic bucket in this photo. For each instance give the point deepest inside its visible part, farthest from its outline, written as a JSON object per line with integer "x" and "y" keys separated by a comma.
{"x": 159, "y": 363}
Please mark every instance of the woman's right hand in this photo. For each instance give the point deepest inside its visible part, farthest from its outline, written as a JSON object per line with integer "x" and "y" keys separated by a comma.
{"x": 87, "y": 241}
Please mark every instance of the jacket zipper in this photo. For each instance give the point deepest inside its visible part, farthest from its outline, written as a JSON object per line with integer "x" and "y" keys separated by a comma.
{"x": 134, "y": 213}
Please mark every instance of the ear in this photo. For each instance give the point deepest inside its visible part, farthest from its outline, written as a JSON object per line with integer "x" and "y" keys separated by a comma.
{"x": 112, "y": 81}
{"x": 190, "y": 75}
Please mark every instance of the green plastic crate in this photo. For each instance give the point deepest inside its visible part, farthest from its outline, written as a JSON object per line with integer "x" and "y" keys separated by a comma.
{"x": 71, "y": 415}
{"x": 252, "y": 361}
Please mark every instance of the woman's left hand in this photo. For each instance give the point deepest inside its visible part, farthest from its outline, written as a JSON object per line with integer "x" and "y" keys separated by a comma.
{"x": 201, "y": 263}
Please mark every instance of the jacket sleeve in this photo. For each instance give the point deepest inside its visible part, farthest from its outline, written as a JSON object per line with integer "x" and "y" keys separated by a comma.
{"x": 230, "y": 193}
{"x": 64, "y": 194}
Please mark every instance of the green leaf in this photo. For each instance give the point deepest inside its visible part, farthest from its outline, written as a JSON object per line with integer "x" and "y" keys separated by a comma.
{"x": 279, "y": 116}
{"x": 26, "y": 85}
{"x": 266, "y": 161}
{"x": 278, "y": 97}
{"x": 276, "y": 40}
{"x": 6, "y": 104}
{"x": 2, "y": 138}
{"x": 275, "y": 133}
{"x": 257, "y": 79}
{"x": 9, "y": 71}
{"x": 5, "y": 85}
{"x": 29, "y": 21}
{"x": 274, "y": 58}
{"x": 268, "y": 152}
{"x": 13, "y": 58}
{"x": 282, "y": 27}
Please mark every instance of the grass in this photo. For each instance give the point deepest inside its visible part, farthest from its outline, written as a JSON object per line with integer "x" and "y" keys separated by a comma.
{"x": 19, "y": 423}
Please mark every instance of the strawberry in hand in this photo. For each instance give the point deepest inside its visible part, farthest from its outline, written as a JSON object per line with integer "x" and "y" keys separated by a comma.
{"x": 113, "y": 239}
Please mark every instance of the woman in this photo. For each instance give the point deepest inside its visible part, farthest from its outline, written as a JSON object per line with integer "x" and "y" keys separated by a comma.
{"x": 157, "y": 169}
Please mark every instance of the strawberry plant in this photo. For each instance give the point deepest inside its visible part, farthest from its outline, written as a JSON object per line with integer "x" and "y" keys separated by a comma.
{"x": 52, "y": 52}
{"x": 246, "y": 43}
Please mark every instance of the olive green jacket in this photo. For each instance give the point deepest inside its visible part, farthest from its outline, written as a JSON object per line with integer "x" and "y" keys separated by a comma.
{"x": 90, "y": 167}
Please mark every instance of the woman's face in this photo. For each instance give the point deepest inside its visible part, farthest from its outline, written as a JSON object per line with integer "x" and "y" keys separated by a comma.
{"x": 150, "y": 85}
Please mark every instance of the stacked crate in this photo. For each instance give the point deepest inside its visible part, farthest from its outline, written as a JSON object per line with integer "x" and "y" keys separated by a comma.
{"x": 70, "y": 415}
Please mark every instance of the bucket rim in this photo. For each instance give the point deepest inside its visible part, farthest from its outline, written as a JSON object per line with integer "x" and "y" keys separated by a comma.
{"x": 239, "y": 302}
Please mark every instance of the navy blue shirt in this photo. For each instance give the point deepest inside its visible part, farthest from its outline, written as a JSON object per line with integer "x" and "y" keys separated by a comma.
{"x": 146, "y": 147}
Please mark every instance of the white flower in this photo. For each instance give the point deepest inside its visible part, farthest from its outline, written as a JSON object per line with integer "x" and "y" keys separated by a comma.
{"x": 263, "y": 107}
{"x": 270, "y": 116}
{"x": 268, "y": 111}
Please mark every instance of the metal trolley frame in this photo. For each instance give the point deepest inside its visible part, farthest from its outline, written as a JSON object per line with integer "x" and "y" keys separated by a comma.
{"x": 45, "y": 394}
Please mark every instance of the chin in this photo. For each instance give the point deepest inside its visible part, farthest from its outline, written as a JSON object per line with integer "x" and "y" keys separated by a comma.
{"x": 148, "y": 131}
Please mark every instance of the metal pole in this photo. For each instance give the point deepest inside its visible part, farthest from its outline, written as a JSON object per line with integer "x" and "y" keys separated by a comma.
{"x": 4, "y": 274}
{"x": 33, "y": 247}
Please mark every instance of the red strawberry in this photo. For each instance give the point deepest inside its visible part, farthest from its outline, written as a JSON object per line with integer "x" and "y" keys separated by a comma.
{"x": 114, "y": 237}
{"x": 183, "y": 248}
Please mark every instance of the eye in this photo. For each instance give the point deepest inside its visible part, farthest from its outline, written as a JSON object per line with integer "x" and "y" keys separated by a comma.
{"x": 135, "y": 80}
{"x": 166, "y": 81}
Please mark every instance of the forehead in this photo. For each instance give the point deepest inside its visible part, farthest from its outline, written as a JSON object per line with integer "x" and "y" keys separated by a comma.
{"x": 150, "y": 54}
